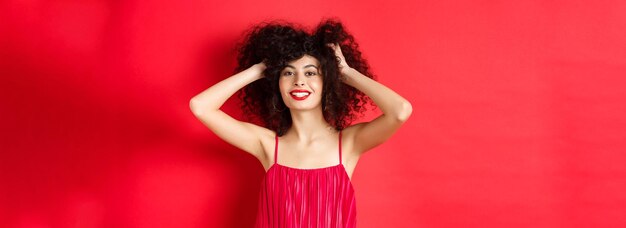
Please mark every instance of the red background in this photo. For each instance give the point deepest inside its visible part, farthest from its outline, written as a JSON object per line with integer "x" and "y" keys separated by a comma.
{"x": 518, "y": 113}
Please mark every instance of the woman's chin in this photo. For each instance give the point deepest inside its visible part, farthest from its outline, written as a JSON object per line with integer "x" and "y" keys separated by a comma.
{"x": 300, "y": 108}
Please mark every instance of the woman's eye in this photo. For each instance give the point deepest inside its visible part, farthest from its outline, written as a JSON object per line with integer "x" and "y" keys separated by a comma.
{"x": 287, "y": 73}
{"x": 311, "y": 73}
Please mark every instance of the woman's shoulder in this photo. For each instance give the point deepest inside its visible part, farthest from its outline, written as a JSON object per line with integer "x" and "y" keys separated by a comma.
{"x": 267, "y": 138}
{"x": 349, "y": 139}
{"x": 349, "y": 131}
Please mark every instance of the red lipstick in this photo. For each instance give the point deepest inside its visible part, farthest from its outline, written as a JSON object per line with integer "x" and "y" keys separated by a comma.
{"x": 299, "y": 94}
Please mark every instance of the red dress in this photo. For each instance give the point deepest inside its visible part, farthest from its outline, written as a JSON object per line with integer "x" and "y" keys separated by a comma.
{"x": 294, "y": 197}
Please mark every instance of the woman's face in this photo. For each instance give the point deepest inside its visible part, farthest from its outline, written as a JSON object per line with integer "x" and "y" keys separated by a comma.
{"x": 301, "y": 75}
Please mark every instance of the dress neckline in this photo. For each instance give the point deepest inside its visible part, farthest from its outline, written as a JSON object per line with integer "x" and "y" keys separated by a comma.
{"x": 312, "y": 169}
{"x": 307, "y": 169}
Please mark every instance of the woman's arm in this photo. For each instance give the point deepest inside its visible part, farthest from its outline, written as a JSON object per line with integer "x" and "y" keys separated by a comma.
{"x": 396, "y": 110}
{"x": 214, "y": 97}
{"x": 391, "y": 104}
{"x": 205, "y": 106}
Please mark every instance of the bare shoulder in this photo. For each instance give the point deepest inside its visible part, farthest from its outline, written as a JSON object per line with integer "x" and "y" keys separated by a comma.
{"x": 348, "y": 143}
{"x": 349, "y": 148}
{"x": 268, "y": 142}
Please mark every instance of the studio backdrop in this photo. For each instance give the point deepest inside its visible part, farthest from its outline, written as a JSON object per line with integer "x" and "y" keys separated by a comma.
{"x": 518, "y": 112}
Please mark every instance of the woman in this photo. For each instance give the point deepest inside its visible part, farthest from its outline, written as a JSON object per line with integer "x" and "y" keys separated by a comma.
{"x": 306, "y": 89}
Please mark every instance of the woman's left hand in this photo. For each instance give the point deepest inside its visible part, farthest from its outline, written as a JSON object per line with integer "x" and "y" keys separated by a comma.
{"x": 343, "y": 65}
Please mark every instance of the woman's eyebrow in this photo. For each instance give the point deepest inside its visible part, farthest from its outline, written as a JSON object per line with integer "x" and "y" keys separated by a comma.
{"x": 310, "y": 65}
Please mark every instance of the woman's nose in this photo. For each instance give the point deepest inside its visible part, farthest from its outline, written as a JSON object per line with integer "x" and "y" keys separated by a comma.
{"x": 299, "y": 80}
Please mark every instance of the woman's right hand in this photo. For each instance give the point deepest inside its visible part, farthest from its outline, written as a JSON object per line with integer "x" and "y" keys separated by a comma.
{"x": 260, "y": 68}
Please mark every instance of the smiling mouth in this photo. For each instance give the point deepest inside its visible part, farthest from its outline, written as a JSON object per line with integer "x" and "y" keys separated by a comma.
{"x": 300, "y": 95}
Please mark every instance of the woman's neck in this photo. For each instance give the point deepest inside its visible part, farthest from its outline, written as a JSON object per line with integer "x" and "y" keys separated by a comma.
{"x": 308, "y": 125}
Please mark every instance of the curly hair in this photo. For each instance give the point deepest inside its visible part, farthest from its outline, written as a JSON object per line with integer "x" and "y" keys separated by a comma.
{"x": 278, "y": 42}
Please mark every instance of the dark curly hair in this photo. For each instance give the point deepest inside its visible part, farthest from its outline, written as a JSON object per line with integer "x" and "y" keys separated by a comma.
{"x": 278, "y": 42}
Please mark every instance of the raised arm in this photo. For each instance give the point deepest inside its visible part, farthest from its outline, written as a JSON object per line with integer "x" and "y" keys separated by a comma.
{"x": 396, "y": 110}
{"x": 206, "y": 107}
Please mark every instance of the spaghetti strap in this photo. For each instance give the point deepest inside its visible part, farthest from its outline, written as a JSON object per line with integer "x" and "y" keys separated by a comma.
{"x": 340, "y": 147}
{"x": 276, "y": 150}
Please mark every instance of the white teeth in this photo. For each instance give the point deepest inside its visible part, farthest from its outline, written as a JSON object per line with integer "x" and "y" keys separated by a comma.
{"x": 300, "y": 94}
